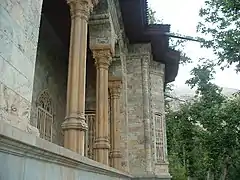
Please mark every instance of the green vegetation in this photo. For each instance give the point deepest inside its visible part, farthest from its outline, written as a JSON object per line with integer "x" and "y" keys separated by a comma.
{"x": 221, "y": 23}
{"x": 203, "y": 136}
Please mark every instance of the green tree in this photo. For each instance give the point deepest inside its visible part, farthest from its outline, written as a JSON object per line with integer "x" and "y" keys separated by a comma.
{"x": 221, "y": 24}
{"x": 205, "y": 132}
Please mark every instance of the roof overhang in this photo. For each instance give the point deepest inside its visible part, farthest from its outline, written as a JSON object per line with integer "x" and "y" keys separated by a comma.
{"x": 135, "y": 18}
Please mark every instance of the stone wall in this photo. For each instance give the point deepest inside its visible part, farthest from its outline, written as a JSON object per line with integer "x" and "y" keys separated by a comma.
{"x": 51, "y": 75}
{"x": 136, "y": 124}
{"x": 118, "y": 69}
{"x": 156, "y": 80}
{"x": 145, "y": 80}
{"x": 19, "y": 28}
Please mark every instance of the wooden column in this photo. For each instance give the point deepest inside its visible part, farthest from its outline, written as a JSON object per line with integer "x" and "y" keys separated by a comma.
{"x": 74, "y": 125}
{"x": 102, "y": 56}
{"x": 115, "y": 85}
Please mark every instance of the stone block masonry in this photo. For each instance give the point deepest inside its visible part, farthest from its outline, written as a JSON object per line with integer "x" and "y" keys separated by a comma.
{"x": 19, "y": 28}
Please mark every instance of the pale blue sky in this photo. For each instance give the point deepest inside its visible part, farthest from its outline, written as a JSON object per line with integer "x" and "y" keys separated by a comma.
{"x": 183, "y": 17}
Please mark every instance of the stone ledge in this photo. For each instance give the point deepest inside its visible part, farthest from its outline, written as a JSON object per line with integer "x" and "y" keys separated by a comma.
{"x": 153, "y": 177}
{"x": 19, "y": 143}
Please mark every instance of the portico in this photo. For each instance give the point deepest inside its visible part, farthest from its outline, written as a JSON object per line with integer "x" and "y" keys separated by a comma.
{"x": 113, "y": 77}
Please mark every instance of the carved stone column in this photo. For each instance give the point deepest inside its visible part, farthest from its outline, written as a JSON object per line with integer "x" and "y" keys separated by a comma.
{"x": 115, "y": 85}
{"x": 102, "y": 56}
{"x": 74, "y": 124}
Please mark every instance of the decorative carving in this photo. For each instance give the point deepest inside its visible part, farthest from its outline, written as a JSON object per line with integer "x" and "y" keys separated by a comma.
{"x": 75, "y": 121}
{"x": 81, "y": 8}
{"x": 103, "y": 58}
{"x": 115, "y": 85}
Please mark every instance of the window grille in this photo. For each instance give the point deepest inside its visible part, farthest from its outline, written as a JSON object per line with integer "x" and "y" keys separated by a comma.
{"x": 159, "y": 145}
{"x": 90, "y": 134}
{"x": 45, "y": 115}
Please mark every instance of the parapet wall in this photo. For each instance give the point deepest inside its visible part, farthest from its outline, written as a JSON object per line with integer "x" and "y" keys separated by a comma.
{"x": 26, "y": 157}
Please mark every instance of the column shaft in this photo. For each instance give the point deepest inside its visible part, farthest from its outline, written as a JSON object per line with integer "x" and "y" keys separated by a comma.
{"x": 101, "y": 147}
{"x": 74, "y": 124}
{"x": 115, "y": 153}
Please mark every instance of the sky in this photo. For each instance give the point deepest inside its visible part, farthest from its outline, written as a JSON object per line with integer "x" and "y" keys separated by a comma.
{"x": 183, "y": 17}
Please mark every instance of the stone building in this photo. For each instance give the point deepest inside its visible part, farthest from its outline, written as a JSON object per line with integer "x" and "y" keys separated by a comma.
{"x": 81, "y": 90}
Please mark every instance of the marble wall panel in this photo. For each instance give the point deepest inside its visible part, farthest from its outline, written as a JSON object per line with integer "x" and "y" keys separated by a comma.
{"x": 19, "y": 29}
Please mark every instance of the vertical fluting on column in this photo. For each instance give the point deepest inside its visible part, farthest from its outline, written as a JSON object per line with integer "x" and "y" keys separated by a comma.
{"x": 102, "y": 58}
{"x": 74, "y": 125}
{"x": 115, "y": 85}
{"x": 146, "y": 113}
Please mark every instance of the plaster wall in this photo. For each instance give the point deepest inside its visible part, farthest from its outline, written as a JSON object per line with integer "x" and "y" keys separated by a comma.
{"x": 19, "y": 28}
{"x": 51, "y": 70}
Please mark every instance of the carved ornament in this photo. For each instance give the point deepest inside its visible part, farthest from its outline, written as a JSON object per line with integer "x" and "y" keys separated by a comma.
{"x": 102, "y": 56}
{"x": 81, "y": 8}
{"x": 75, "y": 121}
{"x": 115, "y": 85}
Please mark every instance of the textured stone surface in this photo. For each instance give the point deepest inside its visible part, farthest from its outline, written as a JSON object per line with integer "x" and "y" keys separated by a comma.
{"x": 19, "y": 28}
{"x": 156, "y": 80}
{"x": 145, "y": 97}
{"x": 51, "y": 74}
{"x": 136, "y": 140}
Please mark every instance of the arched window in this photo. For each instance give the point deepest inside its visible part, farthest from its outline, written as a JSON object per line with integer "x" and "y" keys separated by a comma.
{"x": 45, "y": 115}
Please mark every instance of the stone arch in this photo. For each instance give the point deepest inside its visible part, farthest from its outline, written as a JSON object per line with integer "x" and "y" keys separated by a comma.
{"x": 45, "y": 115}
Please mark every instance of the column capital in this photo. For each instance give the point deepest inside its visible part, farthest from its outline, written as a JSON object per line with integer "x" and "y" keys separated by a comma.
{"x": 115, "y": 85}
{"x": 81, "y": 8}
{"x": 102, "y": 55}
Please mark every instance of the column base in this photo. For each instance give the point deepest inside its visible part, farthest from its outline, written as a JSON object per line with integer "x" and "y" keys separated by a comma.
{"x": 161, "y": 169}
{"x": 115, "y": 154}
{"x": 33, "y": 130}
{"x": 101, "y": 143}
{"x": 75, "y": 122}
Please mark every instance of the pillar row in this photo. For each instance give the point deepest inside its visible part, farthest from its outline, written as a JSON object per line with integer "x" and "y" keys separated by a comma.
{"x": 115, "y": 85}
{"x": 74, "y": 125}
{"x": 103, "y": 57}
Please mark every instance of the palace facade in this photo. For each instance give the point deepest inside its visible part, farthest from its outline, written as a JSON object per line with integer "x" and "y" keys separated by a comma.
{"x": 82, "y": 90}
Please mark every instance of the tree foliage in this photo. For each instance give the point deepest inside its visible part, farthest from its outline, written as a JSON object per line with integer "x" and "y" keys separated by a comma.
{"x": 221, "y": 22}
{"x": 204, "y": 134}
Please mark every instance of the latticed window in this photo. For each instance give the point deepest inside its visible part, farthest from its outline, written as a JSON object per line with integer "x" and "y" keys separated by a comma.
{"x": 159, "y": 127}
{"x": 45, "y": 115}
{"x": 90, "y": 134}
